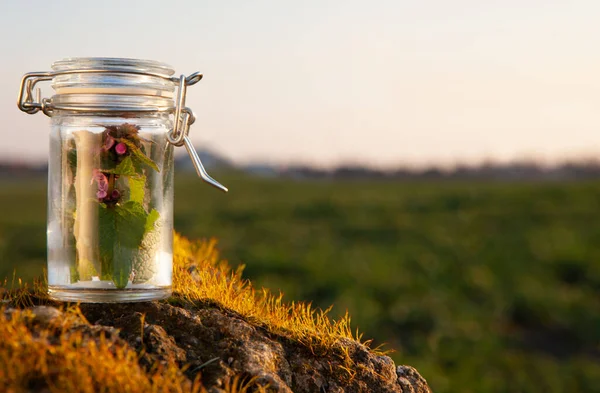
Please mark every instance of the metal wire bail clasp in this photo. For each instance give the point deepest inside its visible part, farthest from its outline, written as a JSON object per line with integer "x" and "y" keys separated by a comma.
{"x": 184, "y": 118}
{"x": 26, "y": 101}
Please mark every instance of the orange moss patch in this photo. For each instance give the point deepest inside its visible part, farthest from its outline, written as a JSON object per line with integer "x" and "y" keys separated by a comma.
{"x": 199, "y": 274}
{"x": 43, "y": 357}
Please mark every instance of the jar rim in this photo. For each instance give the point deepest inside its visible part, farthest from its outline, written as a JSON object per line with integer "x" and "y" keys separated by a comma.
{"x": 112, "y": 63}
{"x": 111, "y": 83}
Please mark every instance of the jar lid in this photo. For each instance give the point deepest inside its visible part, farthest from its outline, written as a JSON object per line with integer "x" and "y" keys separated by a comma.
{"x": 90, "y": 63}
{"x": 104, "y": 83}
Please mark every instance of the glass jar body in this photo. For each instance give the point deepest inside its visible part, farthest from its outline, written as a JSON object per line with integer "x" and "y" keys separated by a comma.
{"x": 110, "y": 207}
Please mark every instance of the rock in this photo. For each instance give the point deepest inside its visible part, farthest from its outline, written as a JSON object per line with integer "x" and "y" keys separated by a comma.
{"x": 218, "y": 344}
{"x": 45, "y": 314}
{"x": 158, "y": 342}
{"x": 411, "y": 381}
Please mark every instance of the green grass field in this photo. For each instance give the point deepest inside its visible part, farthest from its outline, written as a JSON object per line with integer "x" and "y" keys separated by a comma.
{"x": 483, "y": 287}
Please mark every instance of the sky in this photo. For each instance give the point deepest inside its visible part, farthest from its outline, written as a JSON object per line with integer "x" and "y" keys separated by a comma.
{"x": 326, "y": 83}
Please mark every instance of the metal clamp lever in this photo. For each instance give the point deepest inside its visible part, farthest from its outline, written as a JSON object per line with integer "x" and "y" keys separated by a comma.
{"x": 199, "y": 167}
{"x": 178, "y": 136}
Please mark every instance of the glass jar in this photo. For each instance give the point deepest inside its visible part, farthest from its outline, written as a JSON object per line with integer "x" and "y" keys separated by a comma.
{"x": 115, "y": 123}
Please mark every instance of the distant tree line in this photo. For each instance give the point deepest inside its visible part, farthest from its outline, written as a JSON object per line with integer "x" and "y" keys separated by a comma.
{"x": 488, "y": 171}
{"x": 581, "y": 170}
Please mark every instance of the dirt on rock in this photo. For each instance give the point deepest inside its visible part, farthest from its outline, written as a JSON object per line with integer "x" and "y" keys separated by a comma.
{"x": 220, "y": 344}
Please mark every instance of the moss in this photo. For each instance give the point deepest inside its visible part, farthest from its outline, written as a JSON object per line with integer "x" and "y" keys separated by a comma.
{"x": 200, "y": 276}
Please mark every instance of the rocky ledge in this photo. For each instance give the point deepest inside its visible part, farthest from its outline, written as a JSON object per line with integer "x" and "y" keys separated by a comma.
{"x": 217, "y": 344}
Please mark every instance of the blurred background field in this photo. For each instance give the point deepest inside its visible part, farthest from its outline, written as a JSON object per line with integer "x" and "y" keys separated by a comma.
{"x": 482, "y": 286}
